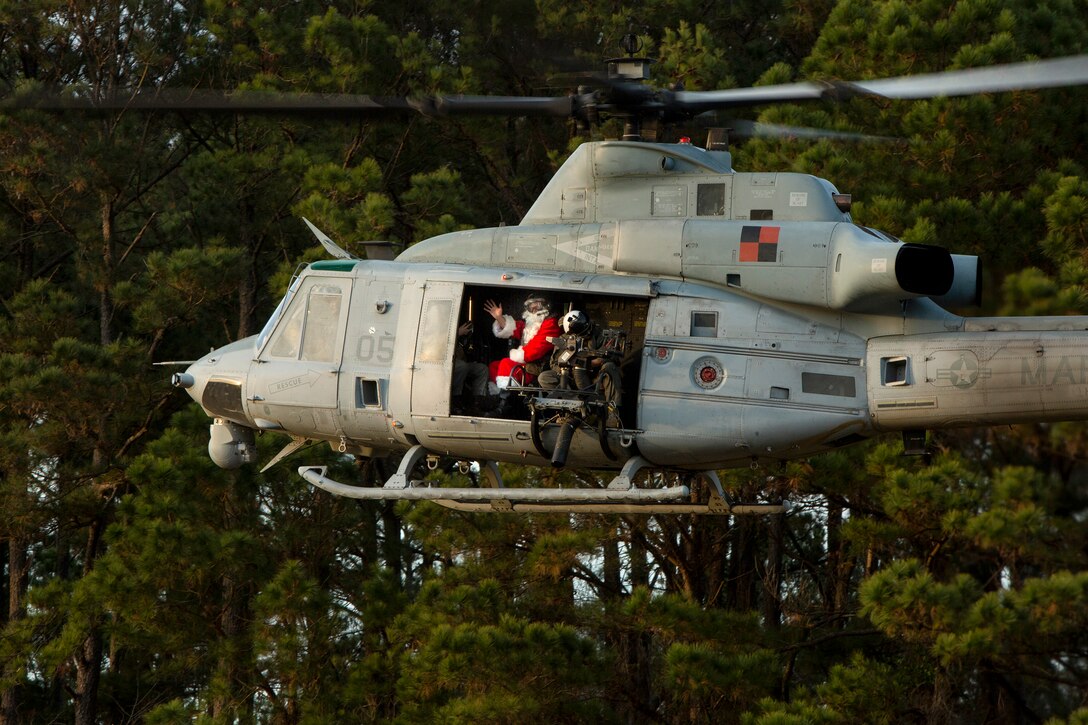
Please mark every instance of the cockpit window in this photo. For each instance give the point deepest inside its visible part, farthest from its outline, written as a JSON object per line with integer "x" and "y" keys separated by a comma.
{"x": 309, "y": 329}
{"x": 322, "y": 321}
{"x": 286, "y": 342}
{"x": 269, "y": 326}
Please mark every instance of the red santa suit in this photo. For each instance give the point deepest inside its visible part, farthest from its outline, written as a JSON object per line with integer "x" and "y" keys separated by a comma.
{"x": 533, "y": 331}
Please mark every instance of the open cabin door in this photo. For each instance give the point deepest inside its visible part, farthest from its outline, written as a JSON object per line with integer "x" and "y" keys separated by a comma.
{"x": 293, "y": 382}
{"x": 435, "y": 342}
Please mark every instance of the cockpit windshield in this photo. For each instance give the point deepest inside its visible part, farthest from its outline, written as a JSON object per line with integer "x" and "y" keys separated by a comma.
{"x": 262, "y": 338}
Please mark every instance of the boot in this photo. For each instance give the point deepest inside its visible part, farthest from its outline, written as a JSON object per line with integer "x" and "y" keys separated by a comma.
{"x": 505, "y": 407}
{"x": 482, "y": 404}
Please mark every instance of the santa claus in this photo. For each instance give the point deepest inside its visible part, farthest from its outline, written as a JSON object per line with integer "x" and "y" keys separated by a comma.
{"x": 532, "y": 331}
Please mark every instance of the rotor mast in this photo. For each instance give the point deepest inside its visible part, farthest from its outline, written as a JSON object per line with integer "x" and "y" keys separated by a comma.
{"x": 631, "y": 71}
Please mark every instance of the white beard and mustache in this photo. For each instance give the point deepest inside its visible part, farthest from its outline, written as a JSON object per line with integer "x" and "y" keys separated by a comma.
{"x": 533, "y": 321}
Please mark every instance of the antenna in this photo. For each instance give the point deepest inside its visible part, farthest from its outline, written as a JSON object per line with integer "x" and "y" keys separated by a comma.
{"x": 717, "y": 139}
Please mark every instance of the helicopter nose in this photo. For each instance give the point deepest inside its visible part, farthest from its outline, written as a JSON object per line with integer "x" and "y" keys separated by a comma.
{"x": 182, "y": 380}
{"x": 216, "y": 380}
{"x": 194, "y": 379}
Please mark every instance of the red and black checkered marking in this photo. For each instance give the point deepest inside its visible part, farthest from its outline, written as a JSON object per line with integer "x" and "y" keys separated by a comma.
{"x": 759, "y": 244}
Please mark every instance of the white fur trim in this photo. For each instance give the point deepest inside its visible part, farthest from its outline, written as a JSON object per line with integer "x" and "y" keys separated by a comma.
{"x": 506, "y": 330}
{"x": 517, "y": 355}
{"x": 502, "y": 382}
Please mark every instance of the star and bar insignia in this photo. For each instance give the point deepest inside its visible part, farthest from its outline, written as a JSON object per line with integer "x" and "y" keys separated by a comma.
{"x": 759, "y": 244}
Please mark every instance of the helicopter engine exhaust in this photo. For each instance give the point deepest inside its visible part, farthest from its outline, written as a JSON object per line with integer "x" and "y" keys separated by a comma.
{"x": 868, "y": 273}
{"x": 924, "y": 270}
{"x": 950, "y": 279}
{"x": 231, "y": 445}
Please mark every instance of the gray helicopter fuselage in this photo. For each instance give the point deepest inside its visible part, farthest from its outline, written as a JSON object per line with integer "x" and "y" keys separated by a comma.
{"x": 723, "y": 379}
{"x": 761, "y": 322}
{"x": 383, "y": 382}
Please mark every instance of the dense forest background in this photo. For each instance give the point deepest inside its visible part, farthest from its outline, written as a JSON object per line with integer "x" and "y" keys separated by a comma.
{"x": 142, "y": 584}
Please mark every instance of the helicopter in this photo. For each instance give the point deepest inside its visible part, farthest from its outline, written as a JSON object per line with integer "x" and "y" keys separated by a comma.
{"x": 742, "y": 319}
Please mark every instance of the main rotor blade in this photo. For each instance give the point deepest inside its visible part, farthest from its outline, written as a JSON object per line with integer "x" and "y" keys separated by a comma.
{"x": 742, "y": 127}
{"x": 182, "y": 100}
{"x": 623, "y": 99}
{"x": 1031, "y": 75}
{"x": 562, "y": 106}
{"x": 317, "y": 104}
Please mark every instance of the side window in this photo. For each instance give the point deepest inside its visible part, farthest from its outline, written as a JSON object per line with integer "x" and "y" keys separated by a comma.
{"x": 310, "y": 328}
{"x": 322, "y": 322}
{"x": 434, "y": 331}
{"x": 710, "y": 200}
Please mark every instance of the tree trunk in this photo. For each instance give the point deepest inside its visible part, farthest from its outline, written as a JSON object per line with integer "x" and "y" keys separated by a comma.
{"x": 233, "y": 663}
{"x": 88, "y": 660}
{"x": 16, "y": 590}
{"x": 772, "y": 576}
{"x": 88, "y": 673}
{"x": 742, "y": 565}
{"x": 18, "y": 567}
{"x": 105, "y": 298}
{"x": 247, "y": 297}
{"x": 613, "y": 586}
{"x": 25, "y": 254}
{"x": 640, "y": 568}
{"x": 391, "y": 542}
{"x": 250, "y": 282}
{"x": 839, "y": 566}
{"x": 371, "y": 475}
{"x": 716, "y": 553}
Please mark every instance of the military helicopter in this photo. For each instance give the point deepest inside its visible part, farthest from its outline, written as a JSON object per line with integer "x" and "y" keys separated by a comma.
{"x": 743, "y": 319}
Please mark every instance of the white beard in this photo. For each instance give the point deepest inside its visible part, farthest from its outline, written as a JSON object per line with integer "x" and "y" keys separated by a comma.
{"x": 533, "y": 321}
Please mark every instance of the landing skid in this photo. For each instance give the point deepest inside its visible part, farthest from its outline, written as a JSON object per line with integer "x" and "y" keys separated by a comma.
{"x": 621, "y": 495}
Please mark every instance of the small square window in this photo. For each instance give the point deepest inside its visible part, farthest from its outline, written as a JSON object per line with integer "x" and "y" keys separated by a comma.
{"x": 366, "y": 394}
{"x": 704, "y": 324}
{"x": 894, "y": 371}
{"x": 778, "y": 393}
{"x": 710, "y": 200}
